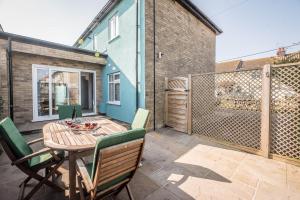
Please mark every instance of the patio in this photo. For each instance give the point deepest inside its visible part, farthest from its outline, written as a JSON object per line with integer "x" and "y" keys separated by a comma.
{"x": 179, "y": 166}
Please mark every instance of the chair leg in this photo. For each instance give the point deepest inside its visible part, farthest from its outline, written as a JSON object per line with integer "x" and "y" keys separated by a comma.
{"x": 22, "y": 188}
{"x": 25, "y": 181}
{"x": 43, "y": 180}
{"x": 80, "y": 188}
{"x": 129, "y": 192}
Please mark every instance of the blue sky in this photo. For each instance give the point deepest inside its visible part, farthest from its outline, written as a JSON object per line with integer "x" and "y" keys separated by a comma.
{"x": 249, "y": 26}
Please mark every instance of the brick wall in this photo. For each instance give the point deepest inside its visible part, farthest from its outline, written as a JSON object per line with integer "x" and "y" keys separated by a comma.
{"x": 187, "y": 44}
{"x": 3, "y": 76}
{"x": 22, "y": 81}
{"x": 22, "y": 78}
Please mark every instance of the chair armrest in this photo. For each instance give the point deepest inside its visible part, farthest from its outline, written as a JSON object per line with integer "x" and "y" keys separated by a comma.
{"x": 84, "y": 175}
{"x": 35, "y": 141}
{"x": 25, "y": 158}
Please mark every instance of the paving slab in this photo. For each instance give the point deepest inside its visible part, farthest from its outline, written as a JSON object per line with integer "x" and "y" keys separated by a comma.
{"x": 179, "y": 166}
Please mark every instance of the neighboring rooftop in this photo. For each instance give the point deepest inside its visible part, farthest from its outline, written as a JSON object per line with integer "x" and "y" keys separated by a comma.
{"x": 280, "y": 58}
{"x": 187, "y": 4}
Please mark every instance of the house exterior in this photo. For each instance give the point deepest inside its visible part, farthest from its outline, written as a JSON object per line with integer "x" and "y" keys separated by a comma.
{"x": 146, "y": 41}
{"x": 36, "y": 76}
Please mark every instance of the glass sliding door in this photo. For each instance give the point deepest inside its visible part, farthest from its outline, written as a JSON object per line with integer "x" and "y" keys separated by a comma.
{"x": 54, "y": 86}
{"x": 42, "y": 85}
{"x": 65, "y": 89}
{"x": 87, "y": 92}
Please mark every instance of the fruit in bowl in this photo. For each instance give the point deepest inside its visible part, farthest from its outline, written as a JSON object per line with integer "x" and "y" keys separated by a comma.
{"x": 87, "y": 124}
{"x": 69, "y": 123}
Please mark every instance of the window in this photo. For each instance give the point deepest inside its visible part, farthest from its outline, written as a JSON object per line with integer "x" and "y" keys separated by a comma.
{"x": 113, "y": 27}
{"x": 54, "y": 86}
{"x": 114, "y": 88}
{"x": 95, "y": 43}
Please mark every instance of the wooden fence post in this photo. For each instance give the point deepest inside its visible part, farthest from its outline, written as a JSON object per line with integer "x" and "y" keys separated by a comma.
{"x": 166, "y": 100}
{"x": 189, "y": 105}
{"x": 265, "y": 110}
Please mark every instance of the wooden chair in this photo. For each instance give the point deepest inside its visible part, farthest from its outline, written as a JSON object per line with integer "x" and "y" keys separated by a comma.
{"x": 116, "y": 158}
{"x": 66, "y": 111}
{"x": 140, "y": 119}
{"x": 29, "y": 162}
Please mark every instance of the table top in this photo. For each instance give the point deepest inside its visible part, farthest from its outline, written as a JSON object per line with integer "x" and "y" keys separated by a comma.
{"x": 57, "y": 135}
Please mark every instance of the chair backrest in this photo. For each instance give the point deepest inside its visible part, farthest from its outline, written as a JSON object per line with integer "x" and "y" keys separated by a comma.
{"x": 66, "y": 111}
{"x": 116, "y": 158}
{"x": 12, "y": 139}
{"x": 140, "y": 119}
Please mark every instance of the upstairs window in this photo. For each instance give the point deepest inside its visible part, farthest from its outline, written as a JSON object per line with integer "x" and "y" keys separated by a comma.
{"x": 95, "y": 43}
{"x": 114, "y": 88}
{"x": 113, "y": 25}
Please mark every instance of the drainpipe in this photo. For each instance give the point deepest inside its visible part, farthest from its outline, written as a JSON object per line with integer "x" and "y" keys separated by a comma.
{"x": 10, "y": 80}
{"x": 154, "y": 61}
{"x": 137, "y": 58}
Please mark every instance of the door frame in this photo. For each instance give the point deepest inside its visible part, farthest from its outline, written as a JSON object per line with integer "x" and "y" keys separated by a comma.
{"x": 51, "y": 68}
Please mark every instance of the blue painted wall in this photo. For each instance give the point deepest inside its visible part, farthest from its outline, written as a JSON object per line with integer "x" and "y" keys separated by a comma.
{"x": 121, "y": 53}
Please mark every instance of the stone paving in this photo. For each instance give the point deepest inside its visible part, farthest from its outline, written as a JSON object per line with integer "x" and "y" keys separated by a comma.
{"x": 179, "y": 166}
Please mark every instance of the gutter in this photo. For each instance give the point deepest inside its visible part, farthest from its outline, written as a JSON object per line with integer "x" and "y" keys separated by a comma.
{"x": 192, "y": 8}
{"x": 154, "y": 62}
{"x": 10, "y": 79}
{"x": 44, "y": 43}
{"x": 137, "y": 58}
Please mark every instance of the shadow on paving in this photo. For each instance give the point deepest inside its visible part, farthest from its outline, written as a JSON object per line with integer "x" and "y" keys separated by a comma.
{"x": 162, "y": 175}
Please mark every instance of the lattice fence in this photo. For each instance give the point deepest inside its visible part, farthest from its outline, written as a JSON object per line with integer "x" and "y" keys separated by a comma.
{"x": 285, "y": 115}
{"x": 226, "y": 106}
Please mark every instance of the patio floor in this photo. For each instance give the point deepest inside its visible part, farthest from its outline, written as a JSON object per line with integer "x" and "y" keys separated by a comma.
{"x": 178, "y": 166}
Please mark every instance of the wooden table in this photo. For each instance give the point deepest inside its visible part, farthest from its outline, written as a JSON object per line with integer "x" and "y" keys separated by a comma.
{"x": 58, "y": 136}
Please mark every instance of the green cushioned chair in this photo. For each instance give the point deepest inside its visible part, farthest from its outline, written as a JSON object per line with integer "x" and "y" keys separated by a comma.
{"x": 66, "y": 111}
{"x": 116, "y": 158}
{"x": 23, "y": 157}
{"x": 140, "y": 119}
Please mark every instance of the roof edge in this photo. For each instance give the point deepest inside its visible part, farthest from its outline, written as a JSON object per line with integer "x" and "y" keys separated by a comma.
{"x": 44, "y": 43}
{"x": 99, "y": 17}
{"x": 191, "y": 7}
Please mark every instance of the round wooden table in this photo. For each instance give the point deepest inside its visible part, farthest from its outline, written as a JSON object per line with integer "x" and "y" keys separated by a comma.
{"x": 58, "y": 136}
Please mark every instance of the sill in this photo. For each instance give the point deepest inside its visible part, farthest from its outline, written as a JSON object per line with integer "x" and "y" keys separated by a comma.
{"x": 114, "y": 103}
{"x": 113, "y": 39}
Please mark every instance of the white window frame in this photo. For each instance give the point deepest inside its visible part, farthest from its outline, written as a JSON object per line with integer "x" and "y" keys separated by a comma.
{"x": 115, "y": 19}
{"x": 95, "y": 43}
{"x": 35, "y": 67}
{"x": 114, "y": 102}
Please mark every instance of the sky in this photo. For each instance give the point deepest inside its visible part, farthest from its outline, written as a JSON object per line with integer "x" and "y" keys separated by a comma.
{"x": 249, "y": 26}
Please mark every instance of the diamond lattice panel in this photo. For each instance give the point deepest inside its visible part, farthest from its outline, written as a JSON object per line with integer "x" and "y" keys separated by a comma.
{"x": 285, "y": 116}
{"x": 226, "y": 106}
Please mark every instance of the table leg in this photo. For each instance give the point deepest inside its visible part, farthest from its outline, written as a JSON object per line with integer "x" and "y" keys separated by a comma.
{"x": 72, "y": 175}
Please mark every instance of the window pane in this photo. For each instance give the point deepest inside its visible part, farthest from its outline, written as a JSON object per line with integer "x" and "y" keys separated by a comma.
{"x": 65, "y": 89}
{"x": 117, "y": 76}
{"x": 117, "y": 92}
{"x": 111, "y": 92}
{"x": 113, "y": 27}
{"x": 117, "y": 25}
{"x": 43, "y": 92}
{"x": 87, "y": 92}
{"x": 111, "y": 78}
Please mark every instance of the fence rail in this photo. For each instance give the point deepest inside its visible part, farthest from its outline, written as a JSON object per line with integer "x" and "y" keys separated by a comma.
{"x": 254, "y": 110}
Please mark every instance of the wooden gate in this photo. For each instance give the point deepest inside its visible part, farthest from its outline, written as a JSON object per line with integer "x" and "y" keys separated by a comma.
{"x": 177, "y": 103}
